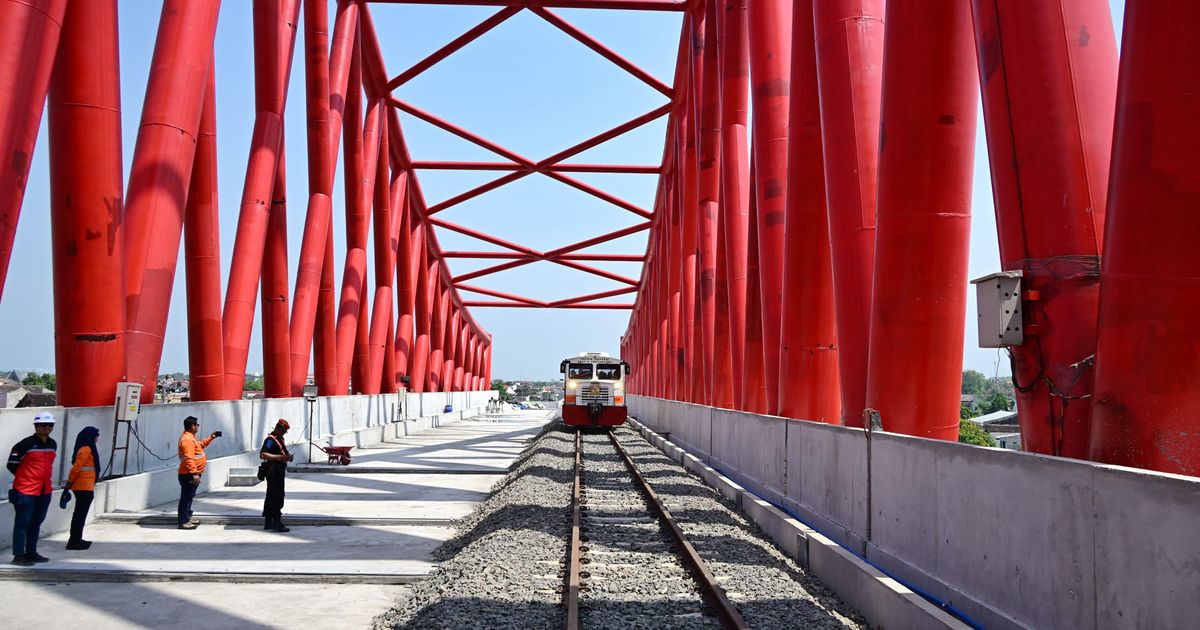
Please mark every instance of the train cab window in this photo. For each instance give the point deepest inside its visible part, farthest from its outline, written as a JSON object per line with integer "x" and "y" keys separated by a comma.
{"x": 579, "y": 370}
{"x": 608, "y": 372}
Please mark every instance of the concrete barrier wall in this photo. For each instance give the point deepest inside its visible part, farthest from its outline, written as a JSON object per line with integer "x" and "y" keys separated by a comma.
{"x": 340, "y": 420}
{"x": 1012, "y": 539}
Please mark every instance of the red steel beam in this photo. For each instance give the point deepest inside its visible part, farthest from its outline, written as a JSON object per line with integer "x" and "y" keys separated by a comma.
{"x": 624, "y": 5}
{"x": 734, "y": 62}
{"x": 485, "y": 304}
{"x": 159, "y": 177}
{"x": 602, "y": 50}
{"x": 202, "y": 259}
{"x": 274, "y": 42}
{"x": 850, "y": 70}
{"x": 593, "y": 296}
{"x": 449, "y": 49}
{"x": 1144, "y": 409}
{"x": 808, "y": 360}
{"x": 276, "y": 348}
{"x": 514, "y": 255}
{"x": 436, "y": 165}
{"x": 1048, "y": 103}
{"x": 923, "y": 233}
{"x": 770, "y": 67}
{"x": 503, "y": 296}
{"x": 84, "y": 112}
{"x": 29, "y": 36}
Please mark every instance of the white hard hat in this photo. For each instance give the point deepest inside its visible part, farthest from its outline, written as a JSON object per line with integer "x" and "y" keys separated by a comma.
{"x": 43, "y": 417}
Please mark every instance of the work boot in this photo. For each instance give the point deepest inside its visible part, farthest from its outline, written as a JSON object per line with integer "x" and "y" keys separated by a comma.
{"x": 268, "y": 523}
{"x": 22, "y": 561}
{"x": 278, "y": 526}
{"x": 187, "y": 526}
{"x": 78, "y": 545}
{"x": 193, "y": 520}
{"x": 36, "y": 557}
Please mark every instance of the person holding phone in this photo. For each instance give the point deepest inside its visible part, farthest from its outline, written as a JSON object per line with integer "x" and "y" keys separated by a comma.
{"x": 191, "y": 468}
{"x": 276, "y": 457}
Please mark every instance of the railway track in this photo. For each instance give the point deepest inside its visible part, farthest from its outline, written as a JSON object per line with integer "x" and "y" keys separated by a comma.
{"x": 625, "y": 545}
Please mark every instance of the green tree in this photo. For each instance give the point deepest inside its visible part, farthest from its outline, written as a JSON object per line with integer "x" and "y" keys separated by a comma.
{"x": 255, "y": 385}
{"x": 997, "y": 401}
{"x": 501, "y": 387}
{"x": 971, "y": 433}
{"x": 34, "y": 379}
{"x": 974, "y": 383}
{"x": 966, "y": 412}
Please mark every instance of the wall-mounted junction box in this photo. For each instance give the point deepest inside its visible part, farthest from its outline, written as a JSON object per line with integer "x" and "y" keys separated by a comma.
{"x": 998, "y": 300}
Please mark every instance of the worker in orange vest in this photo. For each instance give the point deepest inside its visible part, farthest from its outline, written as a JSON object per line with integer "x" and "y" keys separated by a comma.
{"x": 81, "y": 481}
{"x": 191, "y": 468}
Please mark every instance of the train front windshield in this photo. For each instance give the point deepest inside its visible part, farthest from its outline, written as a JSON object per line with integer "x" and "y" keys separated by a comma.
{"x": 579, "y": 371}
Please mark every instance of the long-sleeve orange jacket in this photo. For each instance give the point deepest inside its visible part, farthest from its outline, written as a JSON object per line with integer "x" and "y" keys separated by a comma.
{"x": 191, "y": 454}
{"x": 83, "y": 472}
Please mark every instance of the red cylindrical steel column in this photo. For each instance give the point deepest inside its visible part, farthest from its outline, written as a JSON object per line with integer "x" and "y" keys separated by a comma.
{"x": 202, "y": 261}
{"x": 325, "y": 335}
{"x": 1048, "y": 71}
{"x": 381, "y": 312}
{"x": 422, "y": 316}
{"x": 274, "y": 41}
{"x": 770, "y": 72}
{"x": 1148, "y": 347}
{"x": 808, "y": 361}
{"x": 722, "y": 395}
{"x": 362, "y": 341}
{"x": 923, "y": 229}
{"x": 390, "y": 382}
{"x": 275, "y": 346}
{"x": 159, "y": 179}
{"x": 754, "y": 380}
{"x": 710, "y": 197}
{"x": 437, "y": 331}
{"x": 850, "y": 71}
{"x": 408, "y": 251}
{"x": 322, "y": 150}
{"x": 450, "y": 346}
{"x": 86, "y": 207}
{"x": 735, "y": 176}
{"x": 29, "y": 34}
{"x": 354, "y": 278}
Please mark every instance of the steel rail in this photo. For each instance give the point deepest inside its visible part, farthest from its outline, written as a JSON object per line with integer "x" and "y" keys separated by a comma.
{"x": 726, "y": 611}
{"x": 572, "y": 593}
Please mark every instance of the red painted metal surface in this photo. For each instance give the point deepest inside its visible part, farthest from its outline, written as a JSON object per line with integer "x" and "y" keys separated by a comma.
{"x": 923, "y": 228}
{"x": 1048, "y": 71}
{"x": 577, "y": 416}
{"x": 755, "y": 290}
{"x": 770, "y": 72}
{"x": 29, "y": 34}
{"x": 1148, "y": 347}
{"x": 850, "y": 70}
{"x": 86, "y": 206}
{"x": 202, "y": 261}
{"x": 808, "y": 355}
{"x": 159, "y": 177}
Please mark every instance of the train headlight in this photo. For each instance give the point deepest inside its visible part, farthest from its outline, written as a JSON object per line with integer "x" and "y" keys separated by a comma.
{"x": 618, "y": 387}
{"x": 572, "y": 384}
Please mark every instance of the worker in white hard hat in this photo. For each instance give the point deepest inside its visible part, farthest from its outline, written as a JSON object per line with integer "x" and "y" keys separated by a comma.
{"x": 32, "y": 464}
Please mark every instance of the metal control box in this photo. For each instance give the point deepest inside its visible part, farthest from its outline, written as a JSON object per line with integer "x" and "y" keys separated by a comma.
{"x": 129, "y": 401}
{"x": 998, "y": 300}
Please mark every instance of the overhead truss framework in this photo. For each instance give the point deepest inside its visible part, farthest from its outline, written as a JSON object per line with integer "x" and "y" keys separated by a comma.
{"x": 517, "y": 167}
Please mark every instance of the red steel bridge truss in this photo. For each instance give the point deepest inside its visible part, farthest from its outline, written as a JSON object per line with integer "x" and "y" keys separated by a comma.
{"x": 811, "y": 265}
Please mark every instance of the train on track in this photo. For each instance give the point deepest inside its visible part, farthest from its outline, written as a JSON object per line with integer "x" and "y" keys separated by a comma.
{"x": 594, "y": 390}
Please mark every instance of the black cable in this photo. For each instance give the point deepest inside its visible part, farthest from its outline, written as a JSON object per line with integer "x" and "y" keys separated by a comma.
{"x": 133, "y": 429}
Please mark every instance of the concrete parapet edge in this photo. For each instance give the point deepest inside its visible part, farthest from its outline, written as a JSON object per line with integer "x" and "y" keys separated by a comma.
{"x": 883, "y": 601}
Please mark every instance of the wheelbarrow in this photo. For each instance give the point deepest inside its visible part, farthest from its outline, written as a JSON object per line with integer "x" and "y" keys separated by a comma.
{"x": 337, "y": 454}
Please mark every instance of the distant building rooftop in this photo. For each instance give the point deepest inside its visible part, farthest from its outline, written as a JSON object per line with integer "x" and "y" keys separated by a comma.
{"x": 996, "y": 417}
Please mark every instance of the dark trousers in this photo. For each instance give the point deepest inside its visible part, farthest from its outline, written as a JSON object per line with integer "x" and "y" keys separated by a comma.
{"x": 83, "y": 502}
{"x": 187, "y": 492}
{"x": 273, "y": 504}
{"x": 31, "y": 511}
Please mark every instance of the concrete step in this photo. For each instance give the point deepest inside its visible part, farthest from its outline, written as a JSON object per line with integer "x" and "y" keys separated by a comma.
{"x": 243, "y": 477}
{"x": 45, "y": 574}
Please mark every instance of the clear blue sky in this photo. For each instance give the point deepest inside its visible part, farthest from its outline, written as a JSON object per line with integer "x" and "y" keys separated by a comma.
{"x": 524, "y": 85}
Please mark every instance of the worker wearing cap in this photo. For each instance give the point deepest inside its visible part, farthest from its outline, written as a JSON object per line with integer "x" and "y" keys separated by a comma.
{"x": 276, "y": 456}
{"x": 32, "y": 465}
{"x": 191, "y": 468}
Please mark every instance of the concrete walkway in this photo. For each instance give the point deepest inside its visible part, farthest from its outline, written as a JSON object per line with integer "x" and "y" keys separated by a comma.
{"x": 359, "y": 533}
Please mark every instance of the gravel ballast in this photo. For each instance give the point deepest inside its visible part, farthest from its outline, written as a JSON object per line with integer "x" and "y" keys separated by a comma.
{"x": 506, "y": 566}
